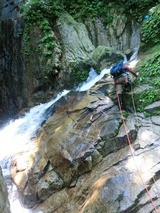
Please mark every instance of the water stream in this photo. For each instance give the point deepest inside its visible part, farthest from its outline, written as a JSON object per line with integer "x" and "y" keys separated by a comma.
{"x": 18, "y": 134}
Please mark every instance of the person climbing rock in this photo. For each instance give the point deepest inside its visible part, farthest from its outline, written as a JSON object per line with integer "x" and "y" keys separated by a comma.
{"x": 120, "y": 73}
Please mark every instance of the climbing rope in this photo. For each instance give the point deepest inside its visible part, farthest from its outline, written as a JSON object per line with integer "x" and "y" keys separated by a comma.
{"x": 158, "y": 189}
{"x": 134, "y": 107}
{"x": 133, "y": 102}
{"x": 130, "y": 146}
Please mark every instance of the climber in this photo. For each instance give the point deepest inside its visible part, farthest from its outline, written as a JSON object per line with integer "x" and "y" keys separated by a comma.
{"x": 122, "y": 81}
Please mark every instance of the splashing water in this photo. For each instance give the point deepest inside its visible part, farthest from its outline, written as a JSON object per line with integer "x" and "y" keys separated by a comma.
{"x": 92, "y": 79}
{"x": 17, "y": 136}
{"x": 19, "y": 132}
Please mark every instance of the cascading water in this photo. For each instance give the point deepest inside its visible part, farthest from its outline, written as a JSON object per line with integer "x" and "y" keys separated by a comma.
{"x": 13, "y": 139}
{"x": 18, "y": 134}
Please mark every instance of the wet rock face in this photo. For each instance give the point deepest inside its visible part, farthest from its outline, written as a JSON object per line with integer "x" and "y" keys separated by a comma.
{"x": 4, "y": 203}
{"x": 12, "y": 75}
{"x": 9, "y": 9}
{"x": 81, "y": 160}
{"x": 84, "y": 128}
{"x": 21, "y": 79}
{"x": 67, "y": 154}
{"x": 120, "y": 34}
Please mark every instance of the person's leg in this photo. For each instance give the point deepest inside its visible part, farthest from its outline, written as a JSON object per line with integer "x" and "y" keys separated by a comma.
{"x": 119, "y": 86}
{"x": 119, "y": 92}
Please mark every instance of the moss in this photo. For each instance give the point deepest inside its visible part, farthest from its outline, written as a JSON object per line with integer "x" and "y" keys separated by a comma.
{"x": 68, "y": 19}
{"x": 120, "y": 197}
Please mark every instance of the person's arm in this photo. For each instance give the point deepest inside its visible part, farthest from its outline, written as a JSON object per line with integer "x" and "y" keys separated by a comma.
{"x": 130, "y": 70}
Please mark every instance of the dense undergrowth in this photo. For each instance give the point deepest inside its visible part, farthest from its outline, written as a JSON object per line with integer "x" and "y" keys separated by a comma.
{"x": 43, "y": 13}
{"x": 149, "y": 78}
{"x": 149, "y": 65}
{"x": 150, "y": 33}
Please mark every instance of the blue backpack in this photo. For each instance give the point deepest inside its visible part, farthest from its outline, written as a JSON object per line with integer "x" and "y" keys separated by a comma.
{"x": 117, "y": 69}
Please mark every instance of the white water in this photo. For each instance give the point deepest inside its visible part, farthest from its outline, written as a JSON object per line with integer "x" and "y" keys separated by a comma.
{"x": 18, "y": 134}
{"x": 13, "y": 139}
{"x": 20, "y": 131}
{"x": 92, "y": 79}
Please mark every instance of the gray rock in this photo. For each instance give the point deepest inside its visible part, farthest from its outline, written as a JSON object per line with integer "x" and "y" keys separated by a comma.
{"x": 155, "y": 120}
{"x": 4, "y": 202}
{"x": 152, "y": 108}
{"x": 49, "y": 184}
{"x": 74, "y": 35}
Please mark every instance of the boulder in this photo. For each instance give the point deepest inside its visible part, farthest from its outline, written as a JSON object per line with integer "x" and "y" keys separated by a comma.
{"x": 104, "y": 57}
{"x": 85, "y": 159}
{"x": 152, "y": 108}
{"x": 4, "y": 202}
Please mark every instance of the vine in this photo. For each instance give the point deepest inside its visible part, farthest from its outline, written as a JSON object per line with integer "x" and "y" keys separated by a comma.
{"x": 40, "y": 13}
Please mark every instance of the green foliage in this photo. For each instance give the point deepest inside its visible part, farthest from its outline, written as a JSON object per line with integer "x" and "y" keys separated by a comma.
{"x": 156, "y": 82}
{"x": 151, "y": 67}
{"x": 34, "y": 14}
{"x": 34, "y": 10}
{"x": 26, "y": 39}
{"x": 40, "y": 13}
{"x": 79, "y": 75}
{"x": 43, "y": 13}
{"x": 136, "y": 9}
{"x": 120, "y": 197}
{"x": 149, "y": 75}
{"x": 150, "y": 34}
{"x": 79, "y": 72}
{"x": 82, "y": 10}
{"x": 148, "y": 96}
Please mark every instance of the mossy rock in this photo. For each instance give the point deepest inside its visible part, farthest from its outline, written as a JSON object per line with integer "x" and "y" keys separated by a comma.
{"x": 104, "y": 56}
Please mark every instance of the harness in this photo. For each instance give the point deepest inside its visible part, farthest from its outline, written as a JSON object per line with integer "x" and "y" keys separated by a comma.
{"x": 125, "y": 76}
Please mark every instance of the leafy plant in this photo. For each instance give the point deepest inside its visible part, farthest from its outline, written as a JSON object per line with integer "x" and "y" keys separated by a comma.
{"x": 43, "y": 13}
{"x": 151, "y": 67}
{"x": 79, "y": 75}
{"x": 137, "y": 9}
{"x": 156, "y": 82}
{"x": 39, "y": 13}
{"x": 149, "y": 74}
{"x": 150, "y": 34}
{"x": 134, "y": 9}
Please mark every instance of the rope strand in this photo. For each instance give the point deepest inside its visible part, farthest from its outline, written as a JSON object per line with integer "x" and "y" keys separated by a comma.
{"x": 130, "y": 146}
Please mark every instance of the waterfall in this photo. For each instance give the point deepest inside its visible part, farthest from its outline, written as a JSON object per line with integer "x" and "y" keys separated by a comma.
{"x": 92, "y": 79}
{"x": 14, "y": 138}
{"x": 135, "y": 53}
{"x": 18, "y": 134}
